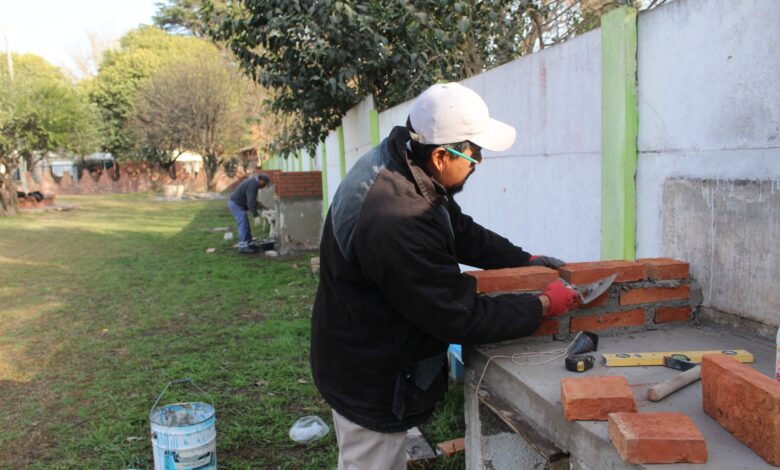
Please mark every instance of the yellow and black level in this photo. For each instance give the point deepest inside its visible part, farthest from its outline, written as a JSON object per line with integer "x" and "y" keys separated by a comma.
{"x": 657, "y": 358}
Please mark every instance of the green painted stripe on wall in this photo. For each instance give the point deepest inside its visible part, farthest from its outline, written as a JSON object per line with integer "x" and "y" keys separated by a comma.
{"x": 619, "y": 123}
{"x": 324, "y": 173}
{"x": 342, "y": 153}
{"x": 373, "y": 122}
{"x": 299, "y": 154}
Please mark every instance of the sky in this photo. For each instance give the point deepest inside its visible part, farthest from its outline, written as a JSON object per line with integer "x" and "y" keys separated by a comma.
{"x": 57, "y": 29}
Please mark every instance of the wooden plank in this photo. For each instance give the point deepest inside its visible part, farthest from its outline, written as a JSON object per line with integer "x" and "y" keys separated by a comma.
{"x": 512, "y": 418}
{"x": 419, "y": 453}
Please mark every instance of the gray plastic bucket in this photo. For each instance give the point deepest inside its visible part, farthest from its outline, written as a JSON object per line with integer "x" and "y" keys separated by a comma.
{"x": 184, "y": 435}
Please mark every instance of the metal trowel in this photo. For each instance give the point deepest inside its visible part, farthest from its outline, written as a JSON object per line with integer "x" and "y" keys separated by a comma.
{"x": 589, "y": 292}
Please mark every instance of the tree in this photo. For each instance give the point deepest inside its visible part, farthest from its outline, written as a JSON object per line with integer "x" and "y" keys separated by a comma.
{"x": 123, "y": 71}
{"x": 85, "y": 62}
{"x": 201, "y": 103}
{"x": 40, "y": 111}
{"x": 320, "y": 58}
{"x": 194, "y": 17}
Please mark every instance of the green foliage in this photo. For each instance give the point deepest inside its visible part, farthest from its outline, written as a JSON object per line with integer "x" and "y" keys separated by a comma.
{"x": 198, "y": 102}
{"x": 322, "y": 57}
{"x": 142, "y": 52}
{"x": 41, "y": 110}
{"x": 189, "y": 16}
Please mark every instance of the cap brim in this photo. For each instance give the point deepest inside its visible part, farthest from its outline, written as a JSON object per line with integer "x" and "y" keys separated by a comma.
{"x": 497, "y": 137}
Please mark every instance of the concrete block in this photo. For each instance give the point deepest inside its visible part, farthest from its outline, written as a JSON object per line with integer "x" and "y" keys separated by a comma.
{"x": 743, "y": 401}
{"x": 665, "y": 268}
{"x": 656, "y": 438}
{"x": 584, "y": 273}
{"x": 593, "y": 398}
{"x": 529, "y": 278}
{"x": 606, "y": 321}
{"x": 672, "y": 314}
{"x": 654, "y": 294}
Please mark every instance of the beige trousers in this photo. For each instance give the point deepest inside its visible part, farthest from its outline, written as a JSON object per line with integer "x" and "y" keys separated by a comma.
{"x": 363, "y": 449}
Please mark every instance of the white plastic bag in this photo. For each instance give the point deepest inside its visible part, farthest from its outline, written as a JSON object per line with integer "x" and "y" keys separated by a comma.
{"x": 308, "y": 429}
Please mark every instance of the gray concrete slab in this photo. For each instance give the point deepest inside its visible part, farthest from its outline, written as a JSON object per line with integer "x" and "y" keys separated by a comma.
{"x": 534, "y": 390}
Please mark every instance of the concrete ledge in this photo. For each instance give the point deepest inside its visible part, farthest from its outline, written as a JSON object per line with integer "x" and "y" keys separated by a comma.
{"x": 535, "y": 391}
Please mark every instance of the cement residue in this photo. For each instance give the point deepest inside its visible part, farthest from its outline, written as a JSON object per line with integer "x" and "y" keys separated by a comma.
{"x": 182, "y": 414}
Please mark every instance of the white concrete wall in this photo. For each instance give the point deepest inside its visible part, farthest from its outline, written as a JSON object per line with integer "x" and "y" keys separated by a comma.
{"x": 547, "y": 185}
{"x": 708, "y": 99}
{"x": 544, "y": 192}
{"x": 357, "y": 131}
{"x": 709, "y": 113}
{"x": 332, "y": 156}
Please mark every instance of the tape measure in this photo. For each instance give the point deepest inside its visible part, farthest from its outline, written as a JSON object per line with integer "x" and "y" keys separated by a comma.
{"x": 579, "y": 362}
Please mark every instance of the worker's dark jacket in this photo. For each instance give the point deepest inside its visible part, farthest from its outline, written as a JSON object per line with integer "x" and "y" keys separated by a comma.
{"x": 391, "y": 295}
{"x": 245, "y": 195}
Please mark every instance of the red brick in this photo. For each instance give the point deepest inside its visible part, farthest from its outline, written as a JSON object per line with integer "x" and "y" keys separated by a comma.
{"x": 450, "y": 448}
{"x": 665, "y": 268}
{"x": 654, "y": 294}
{"x": 745, "y": 402}
{"x": 672, "y": 314}
{"x": 513, "y": 279}
{"x": 584, "y": 273}
{"x": 656, "y": 438}
{"x": 593, "y": 398}
{"x": 547, "y": 328}
{"x": 608, "y": 320}
{"x": 597, "y": 302}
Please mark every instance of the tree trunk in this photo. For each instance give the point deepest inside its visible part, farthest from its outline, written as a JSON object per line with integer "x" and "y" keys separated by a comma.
{"x": 211, "y": 165}
{"x": 8, "y": 194}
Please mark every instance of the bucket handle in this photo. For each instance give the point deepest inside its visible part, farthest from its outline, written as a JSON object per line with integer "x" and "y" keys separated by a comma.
{"x": 176, "y": 382}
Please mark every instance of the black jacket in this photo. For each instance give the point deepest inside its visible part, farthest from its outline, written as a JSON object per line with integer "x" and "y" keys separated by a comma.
{"x": 391, "y": 295}
{"x": 245, "y": 195}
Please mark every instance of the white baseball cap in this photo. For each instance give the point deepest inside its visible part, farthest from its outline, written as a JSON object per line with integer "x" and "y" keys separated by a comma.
{"x": 448, "y": 113}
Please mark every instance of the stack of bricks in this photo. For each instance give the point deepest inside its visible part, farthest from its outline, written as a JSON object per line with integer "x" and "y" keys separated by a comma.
{"x": 299, "y": 185}
{"x": 30, "y": 202}
{"x": 645, "y": 294}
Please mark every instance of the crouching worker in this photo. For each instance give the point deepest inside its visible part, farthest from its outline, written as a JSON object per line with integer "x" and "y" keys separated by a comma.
{"x": 244, "y": 201}
{"x": 391, "y": 295}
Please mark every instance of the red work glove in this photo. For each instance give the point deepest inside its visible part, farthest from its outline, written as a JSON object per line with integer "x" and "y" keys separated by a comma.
{"x": 561, "y": 298}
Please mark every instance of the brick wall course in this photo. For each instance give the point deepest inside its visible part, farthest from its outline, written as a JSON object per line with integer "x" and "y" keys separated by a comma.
{"x": 745, "y": 402}
{"x": 525, "y": 279}
{"x": 664, "y": 268}
{"x": 672, "y": 314}
{"x": 654, "y": 294}
{"x": 608, "y": 321}
{"x": 584, "y": 273}
{"x": 548, "y": 327}
{"x": 626, "y": 306}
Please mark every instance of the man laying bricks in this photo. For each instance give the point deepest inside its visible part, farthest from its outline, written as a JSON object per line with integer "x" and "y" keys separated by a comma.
{"x": 242, "y": 201}
{"x": 391, "y": 295}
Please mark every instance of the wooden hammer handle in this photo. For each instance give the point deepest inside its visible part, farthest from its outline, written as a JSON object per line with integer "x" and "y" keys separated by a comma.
{"x": 667, "y": 387}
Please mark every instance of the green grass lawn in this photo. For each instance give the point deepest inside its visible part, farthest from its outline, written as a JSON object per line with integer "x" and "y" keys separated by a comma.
{"x": 101, "y": 306}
